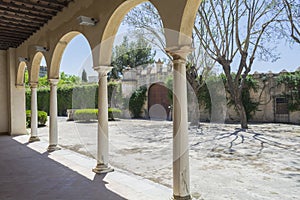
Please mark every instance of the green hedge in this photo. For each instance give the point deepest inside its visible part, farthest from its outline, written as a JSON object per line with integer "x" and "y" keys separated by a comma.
{"x": 42, "y": 118}
{"x": 86, "y": 114}
{"x": 73, "y": 97}
{"x": 92, "y": 114}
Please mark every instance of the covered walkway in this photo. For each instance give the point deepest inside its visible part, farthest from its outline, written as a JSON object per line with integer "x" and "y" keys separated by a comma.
{"x": 28, "y": 171}
{"x": 31, "y": 30}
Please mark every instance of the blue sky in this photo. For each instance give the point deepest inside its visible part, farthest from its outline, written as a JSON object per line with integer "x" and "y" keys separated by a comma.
{"x": 77, "y": 56}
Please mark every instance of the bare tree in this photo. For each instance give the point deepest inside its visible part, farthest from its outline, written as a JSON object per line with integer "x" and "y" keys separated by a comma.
{"x": 292, "y": 9}
{"x": 147, "y": 22}
{"x": 233, "y": 32}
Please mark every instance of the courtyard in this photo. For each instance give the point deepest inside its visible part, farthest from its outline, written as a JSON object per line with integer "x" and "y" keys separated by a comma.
{"x": 225, "y": 161}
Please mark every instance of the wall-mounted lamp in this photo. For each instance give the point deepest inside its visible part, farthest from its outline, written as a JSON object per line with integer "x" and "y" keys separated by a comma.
{"x": 41, "y": 49}
{"x": 86, "y": 21}
{"x": 21, "y": 59}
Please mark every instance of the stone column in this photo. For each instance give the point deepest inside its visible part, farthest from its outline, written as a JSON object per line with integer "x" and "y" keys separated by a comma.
{"x": 34, "y": 113}
{"x": 102, "y": 136}
{"x": 181, "y": 176}
{"x": 53, "y": 134}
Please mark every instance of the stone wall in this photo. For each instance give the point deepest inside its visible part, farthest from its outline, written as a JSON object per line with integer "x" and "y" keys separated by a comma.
{"x": 267, "y": 94}
{"x": 144, "y": 75}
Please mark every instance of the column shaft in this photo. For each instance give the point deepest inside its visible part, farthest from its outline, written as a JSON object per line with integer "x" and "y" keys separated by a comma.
{"x": 53, "y": 135}
{"x": 181, "y": 176}
{"x": 102, "y": 136}
{"x": 34, "y": 114}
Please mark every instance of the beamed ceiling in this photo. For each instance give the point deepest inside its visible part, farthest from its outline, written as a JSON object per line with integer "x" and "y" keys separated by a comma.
{"x": 19, "y": 19}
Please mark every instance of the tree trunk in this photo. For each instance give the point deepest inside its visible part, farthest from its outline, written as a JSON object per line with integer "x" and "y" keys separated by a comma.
{"x": 242, "y": 113}
{"x": 191, "y": 79}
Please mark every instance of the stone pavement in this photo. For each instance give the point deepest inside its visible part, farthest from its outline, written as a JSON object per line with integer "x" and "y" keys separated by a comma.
{"x": 226, "y": 162}
{"x": 28, "y": 172}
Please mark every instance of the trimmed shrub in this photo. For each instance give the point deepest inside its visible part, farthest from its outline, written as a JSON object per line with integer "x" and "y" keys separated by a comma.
{"x": 42, "y": 118}
{"x": 74, "y": 97}
{"x": 92, "y": 114}
{"x": 86, "y": 114}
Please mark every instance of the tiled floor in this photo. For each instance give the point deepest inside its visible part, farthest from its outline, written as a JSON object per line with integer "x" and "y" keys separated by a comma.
{"x": 28, "y": 172}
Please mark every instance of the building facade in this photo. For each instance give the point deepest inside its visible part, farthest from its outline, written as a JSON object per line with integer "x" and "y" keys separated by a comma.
{"x": 272, "y": 98}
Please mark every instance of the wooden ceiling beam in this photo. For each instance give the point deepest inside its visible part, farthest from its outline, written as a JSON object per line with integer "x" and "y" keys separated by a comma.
{"x": 13, "y": 30}
{"x": 25, "y": 13}
{"x": 57, "y": 3}
{"x": 8, "y": 40}
{"x": 17, "y": 27}
{"x": 19, "y": 17}
{"x": 17, "y": 24}
{"x": 17, "y": 8}
{"x": 20, "y": 21}
{"x": 46, "y": 7}
{"x": 10, "y": 37}
{"x": 14, "y": 34}
{"x": 11, "y": 40}
{"x": 17, "y": 35}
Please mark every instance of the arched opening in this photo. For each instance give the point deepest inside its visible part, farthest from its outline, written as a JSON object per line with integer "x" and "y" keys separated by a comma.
{"x": 72, "y": 55}
{"x": 59, "y": 52}
{"x": 20, "y": 74}
{"x": 34, "y": 74}
{"x": 134, "y": 77}
{"x": 159, "y": 105}
{"x": 71, "y": 58}
{"x": 37, "y": 104}
{"x": 112, "y": 28}
{"x": 37, "y": 75}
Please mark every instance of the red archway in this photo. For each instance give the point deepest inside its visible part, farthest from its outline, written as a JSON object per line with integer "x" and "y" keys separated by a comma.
{"x": 158, "y": 102}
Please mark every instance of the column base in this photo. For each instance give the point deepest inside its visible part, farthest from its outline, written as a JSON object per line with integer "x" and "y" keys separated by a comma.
{"x": 53, "y": 147}
{"x": 34, "y": 139}
{"x": 102, "y": 169}
{"x": 181, "y": 198}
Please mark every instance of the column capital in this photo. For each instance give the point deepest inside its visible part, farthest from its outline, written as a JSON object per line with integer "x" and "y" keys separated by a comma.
{"x": 53, "y": 81}
{"x": 103, "y": 69}
{"x": 179, "y": 52}
{"x": 33, "y": 85}
{"x": 20, "y": 86}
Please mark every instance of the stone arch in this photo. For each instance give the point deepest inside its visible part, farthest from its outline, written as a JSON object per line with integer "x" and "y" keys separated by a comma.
{"x": 111, "y": 30}
{"x": 35, "y": 67}
{"x": 20, "y": 74}
{"x": 188, "y": 20}
{"x": 53, "y": 71}
{"x": 158, "y": 102}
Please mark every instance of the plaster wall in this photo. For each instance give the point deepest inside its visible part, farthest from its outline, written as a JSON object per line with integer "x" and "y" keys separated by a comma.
{"x": 17, "y": 115}
{"x": 4, "y": 116}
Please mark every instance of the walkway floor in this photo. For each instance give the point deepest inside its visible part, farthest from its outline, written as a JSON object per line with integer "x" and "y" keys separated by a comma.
{"x": 225, "y": 161}
{"x": 28, "y": 172}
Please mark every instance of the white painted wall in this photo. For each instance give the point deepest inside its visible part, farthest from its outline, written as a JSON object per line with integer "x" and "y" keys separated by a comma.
{"x": 17, "y": 113}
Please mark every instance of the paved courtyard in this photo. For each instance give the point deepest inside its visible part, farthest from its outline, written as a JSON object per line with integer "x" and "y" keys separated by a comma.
{"x": 226, "y": 162}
